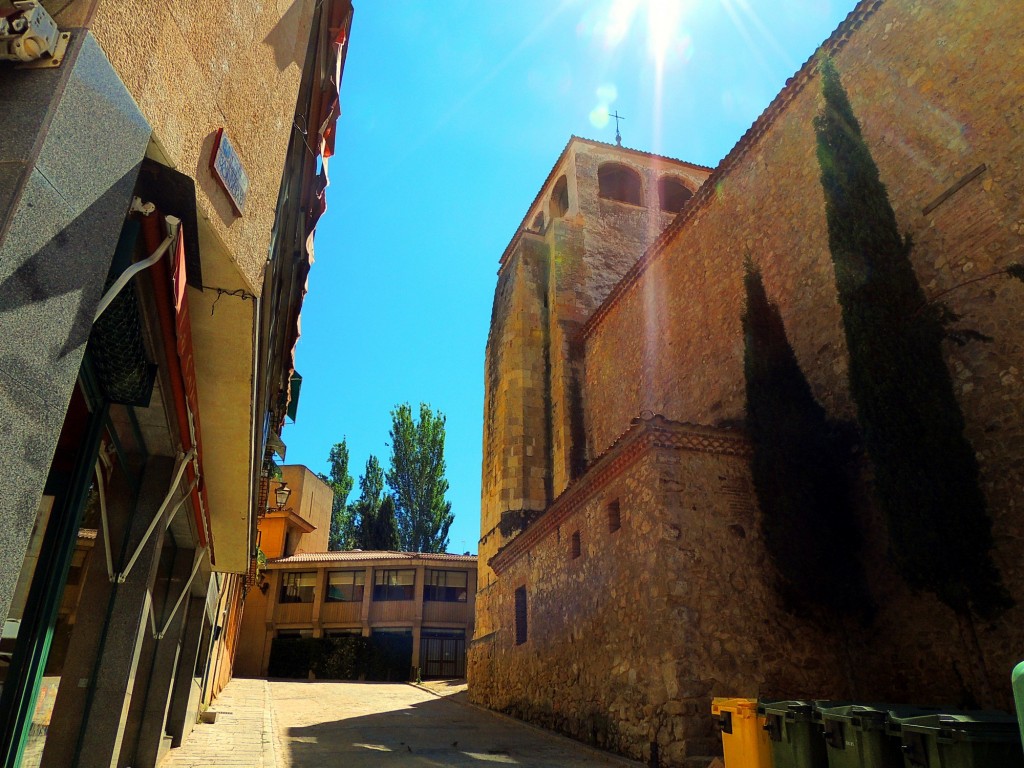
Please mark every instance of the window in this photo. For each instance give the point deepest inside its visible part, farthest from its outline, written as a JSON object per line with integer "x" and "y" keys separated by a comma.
{"x": 576, "y": 551}
{"x": 297, "y": 587}
{"x": 559, "y": 205}
{"x": 672, "y": 194}
{"x": 393, "y": 585}
{"x": 538, "y": 221}
{"x": 345, "y": 586}
{"x": 344, "y": 632}
{"x": 617, "y": 182}
{"x": 446, "y": 586}
{"x": 294, "y": 634}
{"x": 614, "y": 517}
{"x": 520, "y": 615}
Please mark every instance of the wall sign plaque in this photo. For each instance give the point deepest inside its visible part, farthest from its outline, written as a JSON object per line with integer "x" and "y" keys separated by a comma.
{"x": 227, "y": 169}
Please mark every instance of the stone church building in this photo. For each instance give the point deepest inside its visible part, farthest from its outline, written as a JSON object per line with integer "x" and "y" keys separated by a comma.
{"x": 623, "y": 577}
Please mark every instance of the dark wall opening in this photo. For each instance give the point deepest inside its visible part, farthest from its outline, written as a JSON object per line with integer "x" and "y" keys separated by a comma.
{"x": 617, "y": 182}
{"x": 672, "y": 194}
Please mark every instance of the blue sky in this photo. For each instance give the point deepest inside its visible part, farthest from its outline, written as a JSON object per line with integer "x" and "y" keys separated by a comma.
{"x": 453, "y": 113}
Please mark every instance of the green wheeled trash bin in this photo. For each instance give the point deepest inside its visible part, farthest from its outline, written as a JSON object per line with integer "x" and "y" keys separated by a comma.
{"x": 959, "y": 740}
{"x": 856, "y": 736}
{"x": 794, "y": 736}
{"x": 744, "y": 742}
{"x": 1017, "y": 681}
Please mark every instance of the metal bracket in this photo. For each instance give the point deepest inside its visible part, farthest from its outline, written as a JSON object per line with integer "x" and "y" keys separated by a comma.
{"x": 30, "y": 36}
{"x": 200, "y": 554}
{"x": 103, "y": 520}
{"x": 55, "y": 59}
{"x": 173, "y": 227}
{"x": 121, "y": 577}
{"x": 183, "y": 461}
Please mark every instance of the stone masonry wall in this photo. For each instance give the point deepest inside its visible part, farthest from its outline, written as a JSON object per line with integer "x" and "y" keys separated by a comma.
{"x": 628, "y": 643}
{"x": 516, "y": 449}
{"x": 549, "y": 282}
{"x": 615, "y": 234}
{"x": 936, "y": 88}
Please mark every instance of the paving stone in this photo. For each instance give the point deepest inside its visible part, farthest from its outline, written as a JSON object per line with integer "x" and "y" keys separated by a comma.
{"x": 279, "y": 724}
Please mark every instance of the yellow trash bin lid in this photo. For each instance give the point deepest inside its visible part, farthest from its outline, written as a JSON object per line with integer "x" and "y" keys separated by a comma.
{"x": 746, "y": 707}
{"x": 744, "y": 741}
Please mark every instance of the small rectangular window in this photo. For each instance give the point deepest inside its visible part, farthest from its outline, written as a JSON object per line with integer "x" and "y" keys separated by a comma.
{"x": 575, "y": 549}
{"x": 345, "y": 586}
{"x": 446, "y": 586}
{"x": 294, "y": 634}
{"x": 614, "y": 517}
{"x": 344, "y": 632}
{"x": 394, "y": 584}
{"x": 520, "y": 615}
{"x": 297, "y": 587}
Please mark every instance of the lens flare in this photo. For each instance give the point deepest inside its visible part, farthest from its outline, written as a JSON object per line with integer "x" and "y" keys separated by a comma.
{"x": 608, "y": 93}
{"x": 664, "y": 21}
{"x": 619, "y": 21}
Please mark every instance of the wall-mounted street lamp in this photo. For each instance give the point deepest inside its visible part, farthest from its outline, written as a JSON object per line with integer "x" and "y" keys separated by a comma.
{"x": 282, "y": 493}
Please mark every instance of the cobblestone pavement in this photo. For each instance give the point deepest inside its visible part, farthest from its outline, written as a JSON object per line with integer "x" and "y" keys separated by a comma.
{"x": 284, "y": 724}
{"x": 242, "y": 737}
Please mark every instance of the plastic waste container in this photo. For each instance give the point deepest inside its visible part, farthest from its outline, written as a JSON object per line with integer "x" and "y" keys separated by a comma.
{"x": 744, "y": 741}
{"x": 1017, "y": 680}
{"x": 793, "y": 734}
{"x": 959, "y": 740}
{"x": 857, "y": 736}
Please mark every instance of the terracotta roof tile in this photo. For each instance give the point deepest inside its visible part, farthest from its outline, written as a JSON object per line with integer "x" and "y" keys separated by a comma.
{"x": 574, "y": 139}
{"x": 358, "y": 555}
{"x": 707, "y": 194}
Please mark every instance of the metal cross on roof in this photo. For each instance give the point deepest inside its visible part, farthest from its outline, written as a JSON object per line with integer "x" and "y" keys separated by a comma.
{"x": 618, "y": 136}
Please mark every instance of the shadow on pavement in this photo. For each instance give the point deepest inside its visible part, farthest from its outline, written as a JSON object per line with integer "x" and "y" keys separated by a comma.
{"x": 432, "y": 732}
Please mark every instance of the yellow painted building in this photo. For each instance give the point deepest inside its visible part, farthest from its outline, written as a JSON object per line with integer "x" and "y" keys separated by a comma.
{"x": 422, "y": 601}
{"x": 427, "y": 599}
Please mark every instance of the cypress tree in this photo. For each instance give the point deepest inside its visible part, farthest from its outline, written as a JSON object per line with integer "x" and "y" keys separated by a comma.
{"x": 417, "y": 479}
{"x": 798, "y": 469}
{"x": 383, "y": 533}
{"x": 926, "y": 473}
{"x": 366, "y": 508}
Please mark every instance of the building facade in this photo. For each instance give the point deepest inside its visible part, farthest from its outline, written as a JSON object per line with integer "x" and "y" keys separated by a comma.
{"x": 420, "y": 603}
{"x": 623, "y": 575}
{"x": 156, "y": 222}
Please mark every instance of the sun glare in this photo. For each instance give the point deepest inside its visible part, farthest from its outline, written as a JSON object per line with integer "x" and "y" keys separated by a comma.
{"x": 664, "y": 18}
{"x": 664, "y": 26}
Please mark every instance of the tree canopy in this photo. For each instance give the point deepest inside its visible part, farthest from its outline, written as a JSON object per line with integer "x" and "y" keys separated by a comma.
{"x": 416, "y": 477}
{"x": 366, "y": 508}
{"x": 342, "y": 533}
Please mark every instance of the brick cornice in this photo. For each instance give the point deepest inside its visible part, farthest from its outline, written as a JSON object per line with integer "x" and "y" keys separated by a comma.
{"x": 708, "y": 191}
{"x": 643, "y": 435}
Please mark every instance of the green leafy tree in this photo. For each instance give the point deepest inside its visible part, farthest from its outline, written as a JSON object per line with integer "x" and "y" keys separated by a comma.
{"x": 416, "y": 477}
{"x": 364, "y": 509}
{"x": 381, "y": 533}
{"x": 342, "y": 533}
{"x": 926, "y": 473}
{"x": 798, "y": 468}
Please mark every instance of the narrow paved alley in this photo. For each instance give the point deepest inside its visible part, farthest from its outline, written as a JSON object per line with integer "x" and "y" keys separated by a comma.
{"x": 264, "y": 724}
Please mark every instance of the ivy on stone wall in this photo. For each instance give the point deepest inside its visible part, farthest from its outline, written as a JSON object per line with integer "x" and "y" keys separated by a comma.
{"x": 799, "y": 470}
{"x": 926, "y": 473}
